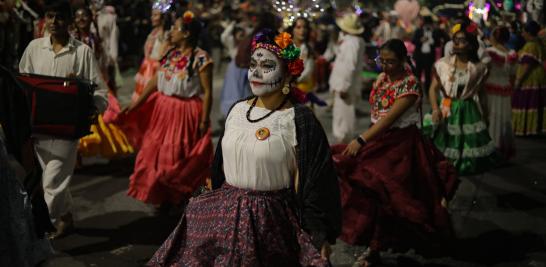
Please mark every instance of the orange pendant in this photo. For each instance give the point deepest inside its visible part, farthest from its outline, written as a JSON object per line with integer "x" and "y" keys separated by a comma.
{"x": 262, "y": 133}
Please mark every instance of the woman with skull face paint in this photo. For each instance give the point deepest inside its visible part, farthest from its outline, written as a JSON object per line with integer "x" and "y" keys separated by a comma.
{"x": 393, "y": 180}
{"x": 176, "y": 150}
{"x": 458, "y": 124}
{"x": 276, "y": 198}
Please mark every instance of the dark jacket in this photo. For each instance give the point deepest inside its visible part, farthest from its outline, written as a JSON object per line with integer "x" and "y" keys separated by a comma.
{"x": 16, "y": 124}
{"x": 319, "y": 204}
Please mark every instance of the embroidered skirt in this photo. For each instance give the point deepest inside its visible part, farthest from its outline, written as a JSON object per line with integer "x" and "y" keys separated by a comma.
{"x": 391, "y": 192}
{"x": 239, "y": 227}
{"x": 464, "y": 139}
{"x": 174, "y": 159}
{"x": 528, "y": 110}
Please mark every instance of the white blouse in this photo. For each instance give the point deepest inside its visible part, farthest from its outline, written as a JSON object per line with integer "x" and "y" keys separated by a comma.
{"x": 177, "y": 86}
{"x": 263, "y": 165}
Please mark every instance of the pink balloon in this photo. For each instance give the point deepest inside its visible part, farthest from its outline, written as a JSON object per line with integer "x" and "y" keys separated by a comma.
{"x": 407, "y": 10}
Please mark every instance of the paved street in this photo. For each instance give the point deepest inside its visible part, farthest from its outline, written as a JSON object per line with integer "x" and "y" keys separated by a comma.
{"x": 499, "y": 217}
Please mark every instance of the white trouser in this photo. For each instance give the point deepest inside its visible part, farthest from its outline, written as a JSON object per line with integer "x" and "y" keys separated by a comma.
{"x": 58, "y": 159}
{"x": 343, "y": 124}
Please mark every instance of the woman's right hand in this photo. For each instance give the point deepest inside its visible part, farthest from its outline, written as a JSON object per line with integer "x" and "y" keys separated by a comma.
{"x": 129, "y": 108}
{"x": 436, "y": 116}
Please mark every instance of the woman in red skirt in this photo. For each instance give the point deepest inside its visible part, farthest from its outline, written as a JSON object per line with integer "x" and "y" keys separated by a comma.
{"x": 176, "y": 151}
{"x": 394, "y": 183}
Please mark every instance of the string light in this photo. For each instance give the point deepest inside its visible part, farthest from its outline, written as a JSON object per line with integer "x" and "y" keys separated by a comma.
{"x": 290, "y": 10}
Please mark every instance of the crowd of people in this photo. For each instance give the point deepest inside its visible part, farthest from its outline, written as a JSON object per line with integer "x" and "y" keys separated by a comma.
{"x": 274, "y": 191}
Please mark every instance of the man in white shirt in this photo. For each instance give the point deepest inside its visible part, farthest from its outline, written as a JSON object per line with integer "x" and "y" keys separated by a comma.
{"x": 345, "y": 77}
{"x": 62, "y": 56}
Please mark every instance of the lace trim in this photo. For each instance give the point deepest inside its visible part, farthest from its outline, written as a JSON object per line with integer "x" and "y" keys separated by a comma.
{"x": 466, "y": 128}
{"x": 476, "y": 152}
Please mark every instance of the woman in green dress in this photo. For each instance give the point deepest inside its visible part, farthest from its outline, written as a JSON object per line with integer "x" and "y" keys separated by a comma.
{"x": 529, "y": 98}
{"x": 458, "y": 124}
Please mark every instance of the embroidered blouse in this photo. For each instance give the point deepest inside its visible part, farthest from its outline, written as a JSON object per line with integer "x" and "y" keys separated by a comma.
{"x": 385, "y": 92}
{"x": 502, "y": 69}
{"x": 445, "y": 70}
{"x": 172, "y": 76}
{"x": 152, "y": 47}
{"x": 264, "y": 165}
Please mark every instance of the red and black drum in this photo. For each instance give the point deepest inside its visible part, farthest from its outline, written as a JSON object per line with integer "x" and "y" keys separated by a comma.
{"x": 60, "y": 107}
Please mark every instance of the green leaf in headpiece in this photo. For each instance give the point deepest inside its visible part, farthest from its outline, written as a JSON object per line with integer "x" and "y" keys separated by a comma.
{"x": 291, "y": 52}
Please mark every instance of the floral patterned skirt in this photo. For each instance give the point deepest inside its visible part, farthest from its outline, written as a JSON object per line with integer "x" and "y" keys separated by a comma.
{"x": 239, "y": 227}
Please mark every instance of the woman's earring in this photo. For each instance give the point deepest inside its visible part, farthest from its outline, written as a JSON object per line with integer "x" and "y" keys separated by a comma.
{"x": 286, "y": 89}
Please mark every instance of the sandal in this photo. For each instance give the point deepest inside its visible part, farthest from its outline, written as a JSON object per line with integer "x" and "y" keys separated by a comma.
{"x": 64, "y": 226}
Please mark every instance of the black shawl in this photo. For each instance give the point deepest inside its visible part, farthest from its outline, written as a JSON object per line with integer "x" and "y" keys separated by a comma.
{"x": 319, "y": 204}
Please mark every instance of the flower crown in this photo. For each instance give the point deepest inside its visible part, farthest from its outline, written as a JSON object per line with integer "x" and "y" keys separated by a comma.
{"x": 283, "y": 47}
{"x": 162, "y": 5}
{"x": 187, "y": 18}
{"x": 471, "y": 28}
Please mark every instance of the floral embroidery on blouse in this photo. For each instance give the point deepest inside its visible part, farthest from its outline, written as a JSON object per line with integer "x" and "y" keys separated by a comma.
{"x": 385, "y": 92}
{"x": 174, "y": 63}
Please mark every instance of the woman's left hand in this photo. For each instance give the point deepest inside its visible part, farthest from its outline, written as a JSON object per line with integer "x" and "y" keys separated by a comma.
{"x": 352, "y": 148}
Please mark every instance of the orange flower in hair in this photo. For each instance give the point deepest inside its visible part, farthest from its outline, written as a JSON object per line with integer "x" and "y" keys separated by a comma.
{"x": 283, "y": 40}
{"x": 187, "y": 17}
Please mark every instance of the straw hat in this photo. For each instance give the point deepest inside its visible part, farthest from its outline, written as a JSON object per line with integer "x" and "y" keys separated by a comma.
{"x": 349, "y": 23}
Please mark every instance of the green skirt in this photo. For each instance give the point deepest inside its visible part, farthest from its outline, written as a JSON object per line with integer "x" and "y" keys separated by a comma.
{"x": 463, "y": 138}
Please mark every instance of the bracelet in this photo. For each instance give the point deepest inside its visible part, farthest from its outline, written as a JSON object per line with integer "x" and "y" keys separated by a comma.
{"x": 361, "y": 140}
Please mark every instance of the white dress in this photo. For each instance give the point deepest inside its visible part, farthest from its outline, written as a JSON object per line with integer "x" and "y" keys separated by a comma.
{"x": 499, "y": 98}
{"x": 263, "y": 165}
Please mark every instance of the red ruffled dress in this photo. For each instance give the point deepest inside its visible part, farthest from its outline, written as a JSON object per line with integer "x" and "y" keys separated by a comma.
{"x": 174, "y": 159}
{"x": 391, "y": 192}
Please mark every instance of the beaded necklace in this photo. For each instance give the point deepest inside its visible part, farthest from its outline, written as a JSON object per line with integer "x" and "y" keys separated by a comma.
{"x": 266, "y": 115}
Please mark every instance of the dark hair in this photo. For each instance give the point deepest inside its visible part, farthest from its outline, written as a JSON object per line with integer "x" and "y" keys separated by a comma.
{"x": 532, "y": 28}
{"x": 98, "y": 47}
{"x": 473, "y": 44}
{"x": 266, "y": 20}
{"x": 399, "y": 49}
{"x": 427, "y": 20}
{"x": 307, "y": 27}
{"x": 194, "y": 28}
{"x": 62, "y": 8}
{"x": 501, "y": 34}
